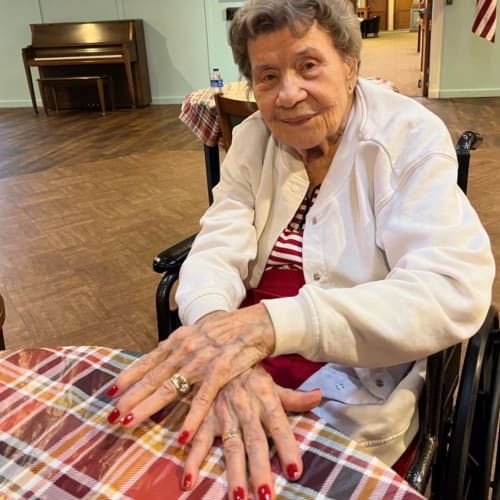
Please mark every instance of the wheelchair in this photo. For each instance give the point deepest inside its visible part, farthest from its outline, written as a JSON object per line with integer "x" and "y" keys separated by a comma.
{"x": 455, "y": 455}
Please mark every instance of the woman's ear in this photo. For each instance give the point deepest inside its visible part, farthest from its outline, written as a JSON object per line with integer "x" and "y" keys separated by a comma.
{"x": 351, "y": 66}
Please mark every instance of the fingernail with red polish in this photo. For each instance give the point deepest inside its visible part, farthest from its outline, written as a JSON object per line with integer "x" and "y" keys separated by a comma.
{"x": 114, "y": 416}
{"x": 183, "y": 437}
{"x": 112, "y": 391}
{"x": 127, "y": 419}
{"x": 188, "y": 481}
{"x": 264, "y": 492}
{"x": 239, "y": 493}
{"x": 292, "y": 471}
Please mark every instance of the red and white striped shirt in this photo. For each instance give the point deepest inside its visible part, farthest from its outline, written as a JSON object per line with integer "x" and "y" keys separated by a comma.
{"x": 287, "y": 251}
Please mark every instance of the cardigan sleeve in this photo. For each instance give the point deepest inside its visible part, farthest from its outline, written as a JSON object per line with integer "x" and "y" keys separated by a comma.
{"x": 436, "y": 292}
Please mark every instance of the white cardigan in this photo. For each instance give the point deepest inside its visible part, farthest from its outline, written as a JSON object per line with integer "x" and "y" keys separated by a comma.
{"x": 396, "y": 262}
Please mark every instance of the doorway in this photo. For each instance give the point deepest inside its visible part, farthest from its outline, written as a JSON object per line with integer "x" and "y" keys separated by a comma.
{"x": 378, "y": 8}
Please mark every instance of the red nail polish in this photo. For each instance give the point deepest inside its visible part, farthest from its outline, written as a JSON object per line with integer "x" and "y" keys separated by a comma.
{"x": 239, "y": 493}
{"x": 112, "y": 391}
{"x": 128, "y": 418}
{"x": 264, "y": 492}
{"x": 183, "y": 437}
{"x": 188, "y": 480}
{"x": 292, "y": 471}
{"x": 114, "y": 416}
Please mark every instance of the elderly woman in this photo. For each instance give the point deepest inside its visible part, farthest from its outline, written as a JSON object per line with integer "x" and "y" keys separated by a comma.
{"x": 338, "y": 254}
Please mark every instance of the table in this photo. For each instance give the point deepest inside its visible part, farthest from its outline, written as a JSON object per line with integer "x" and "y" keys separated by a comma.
{"x": 56, "y": 444}
{"x": 199, "y": 114}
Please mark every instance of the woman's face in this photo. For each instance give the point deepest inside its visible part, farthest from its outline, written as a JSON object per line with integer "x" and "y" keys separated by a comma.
{"x": 302, "y": 86}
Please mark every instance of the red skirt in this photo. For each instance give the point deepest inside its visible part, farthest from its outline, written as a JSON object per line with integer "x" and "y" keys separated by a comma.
{"x": 288, "y": 370}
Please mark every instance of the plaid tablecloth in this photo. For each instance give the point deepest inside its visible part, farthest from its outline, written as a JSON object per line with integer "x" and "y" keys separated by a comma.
{"x": 199, "y": 114}
{"x": 56, "y": 444}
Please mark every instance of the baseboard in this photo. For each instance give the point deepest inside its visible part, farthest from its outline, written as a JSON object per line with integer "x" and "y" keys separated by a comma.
{"x": 27, "y": 103}
{"x": 16, "y": 104}
{"x": 167, "y": 100}
{"x": 451, "y": 93}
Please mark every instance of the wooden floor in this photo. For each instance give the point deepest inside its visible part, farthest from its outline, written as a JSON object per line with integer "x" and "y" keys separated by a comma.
{"x": 86, "y": 202}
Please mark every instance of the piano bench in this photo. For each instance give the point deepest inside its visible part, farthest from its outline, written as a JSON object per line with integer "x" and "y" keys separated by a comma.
{"x": 52, "y": 83}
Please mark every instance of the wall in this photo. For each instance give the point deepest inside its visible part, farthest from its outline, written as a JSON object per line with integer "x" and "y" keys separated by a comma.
{"x": 470, "y": 65}
{"x": 179, "y": 50}
{"x": 14, "y": 34}
{"x": 219, "y": 51}
{"x": 185, "y": 38}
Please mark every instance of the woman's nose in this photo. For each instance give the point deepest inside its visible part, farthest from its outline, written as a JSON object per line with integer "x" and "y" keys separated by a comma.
{"x": 291, "y": 92}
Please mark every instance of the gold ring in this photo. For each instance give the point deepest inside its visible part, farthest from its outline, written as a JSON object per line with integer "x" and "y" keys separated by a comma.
{"x": 233, "y": 433}
{"x": 180, "y": 383}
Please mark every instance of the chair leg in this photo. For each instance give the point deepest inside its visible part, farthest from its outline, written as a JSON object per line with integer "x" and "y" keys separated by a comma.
{"x": 111, "y": 91}
{"x": 54, "y": 98}
{"x": 102, "y": 101}
{"x": 43, "y": 95}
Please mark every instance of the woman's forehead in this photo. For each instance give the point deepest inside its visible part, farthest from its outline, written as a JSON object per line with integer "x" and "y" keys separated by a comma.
{"x": 314, "y": 40}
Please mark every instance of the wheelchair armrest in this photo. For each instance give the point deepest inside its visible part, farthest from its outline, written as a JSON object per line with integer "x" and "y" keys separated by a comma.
{"x": 172, "y": 258}
{"x": 467, "y": 142}
{"x": 419, "y": 472}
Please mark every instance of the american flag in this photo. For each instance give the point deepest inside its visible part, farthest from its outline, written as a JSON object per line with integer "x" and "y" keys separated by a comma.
{"x": 485, "y": 19}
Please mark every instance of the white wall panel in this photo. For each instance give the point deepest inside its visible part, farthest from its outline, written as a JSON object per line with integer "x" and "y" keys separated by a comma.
{"x": 15, "y": 33}
{"x": 176, "y": 45}
{"x": 54, "y": 11}
{"x": 219, "y": 51}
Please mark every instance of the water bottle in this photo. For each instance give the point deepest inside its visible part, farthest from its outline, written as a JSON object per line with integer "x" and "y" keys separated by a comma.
{"x": 216, "y": 81}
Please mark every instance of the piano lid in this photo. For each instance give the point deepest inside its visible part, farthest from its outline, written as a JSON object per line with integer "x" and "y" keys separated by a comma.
{"x": 78, "y": 33}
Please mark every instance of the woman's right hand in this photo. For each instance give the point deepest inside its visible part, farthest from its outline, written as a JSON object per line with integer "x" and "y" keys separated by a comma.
{"x": 246, "y": 412}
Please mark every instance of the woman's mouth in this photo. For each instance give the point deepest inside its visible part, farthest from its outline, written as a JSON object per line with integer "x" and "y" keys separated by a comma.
{"x": 297, "y": 120}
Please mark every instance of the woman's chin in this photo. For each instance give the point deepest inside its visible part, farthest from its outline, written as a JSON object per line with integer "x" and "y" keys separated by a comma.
{"x": 302, "y": 143}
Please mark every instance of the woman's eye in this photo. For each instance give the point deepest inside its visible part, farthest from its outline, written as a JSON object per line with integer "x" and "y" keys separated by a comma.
{"x": 309, "y": 65}
{"x": 268, "y": 77}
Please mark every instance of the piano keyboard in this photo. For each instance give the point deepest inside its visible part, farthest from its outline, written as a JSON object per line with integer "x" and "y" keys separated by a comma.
{"x": 67, "y": 58}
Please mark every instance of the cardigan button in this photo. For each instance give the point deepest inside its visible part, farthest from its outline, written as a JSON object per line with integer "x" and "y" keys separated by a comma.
{"x": 314, "y": 220}
{"x": 316, "y": 276}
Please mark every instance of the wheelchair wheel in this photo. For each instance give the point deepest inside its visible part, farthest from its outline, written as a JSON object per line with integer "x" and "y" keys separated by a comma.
{"x": 472, "y": 465}
{"x": 483, "y": 461}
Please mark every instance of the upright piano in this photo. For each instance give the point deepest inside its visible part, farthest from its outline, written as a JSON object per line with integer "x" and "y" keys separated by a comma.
{"x": 113, "y": 48}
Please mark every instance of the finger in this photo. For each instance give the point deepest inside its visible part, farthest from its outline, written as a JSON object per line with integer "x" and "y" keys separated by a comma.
{"x": 234, "y": 450}
{"x": 138, "y": 369}
{"x": 204, "y": 398}
{"x": 182, "y": 342}
{"x": 259, "y": 464}
{"x": 155, "y": 391}
{"x": 234, "y": 454}
{"x": 255, "y": 439}
{"x": 281, "y": 432}
{"x": 274, "y": 417}
{"x": 200, "y": 446}
{"x": 299, "y": 401}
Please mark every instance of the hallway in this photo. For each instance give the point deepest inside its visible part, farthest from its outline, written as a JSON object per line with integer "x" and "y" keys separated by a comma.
{"x": 393, "y": 56}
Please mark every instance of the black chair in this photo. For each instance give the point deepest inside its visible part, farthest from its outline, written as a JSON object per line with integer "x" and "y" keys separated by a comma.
{"x": 370, "y": 26}
{"x": 454, "y": 453}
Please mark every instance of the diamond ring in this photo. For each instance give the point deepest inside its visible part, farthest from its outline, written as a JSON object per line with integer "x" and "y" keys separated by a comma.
{"x": 180, "y": 383}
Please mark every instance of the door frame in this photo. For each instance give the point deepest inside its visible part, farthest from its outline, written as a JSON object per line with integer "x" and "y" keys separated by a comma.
{"x": 436, "y": 46}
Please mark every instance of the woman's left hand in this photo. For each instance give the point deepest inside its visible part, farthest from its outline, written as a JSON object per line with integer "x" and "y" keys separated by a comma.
{"x": 248, "y": 410}
{"x": 208, "y": 354}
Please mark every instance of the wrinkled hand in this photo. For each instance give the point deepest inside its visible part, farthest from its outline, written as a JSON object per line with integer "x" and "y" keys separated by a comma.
{"x": 208, "y": 354}
{"x": 255, "y": 406}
